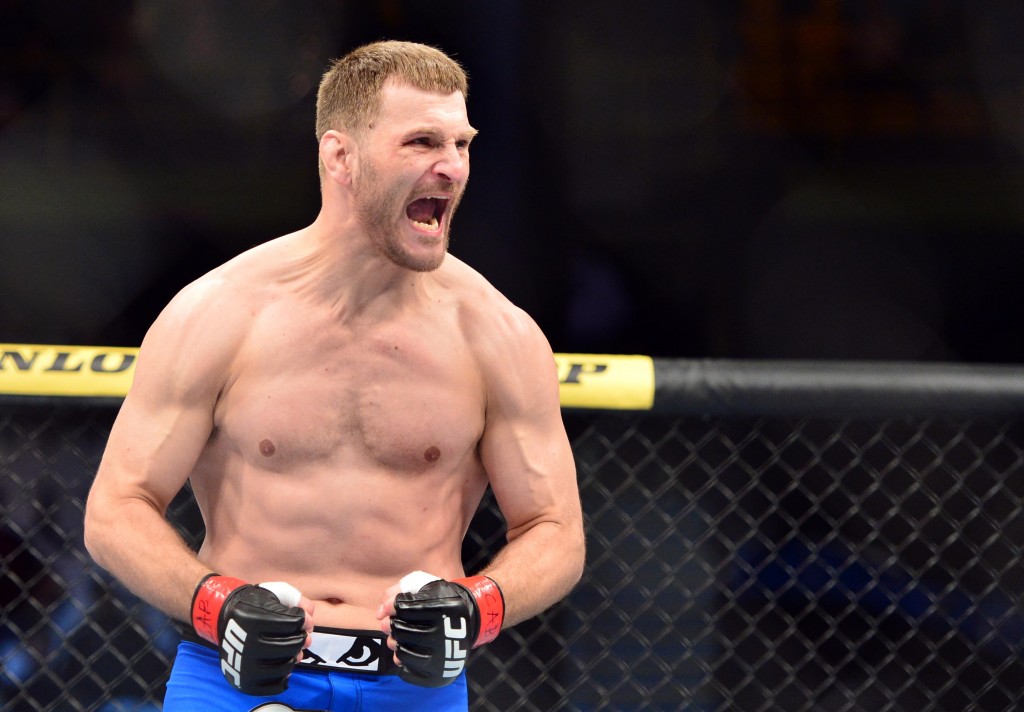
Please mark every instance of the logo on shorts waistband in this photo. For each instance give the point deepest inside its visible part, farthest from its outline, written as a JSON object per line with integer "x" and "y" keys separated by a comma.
{"x": 344, "y": 652}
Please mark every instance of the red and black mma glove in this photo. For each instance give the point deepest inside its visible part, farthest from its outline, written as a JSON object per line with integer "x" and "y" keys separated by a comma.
{"x": 436, "y": 626}
{"x": 258, "y": 637}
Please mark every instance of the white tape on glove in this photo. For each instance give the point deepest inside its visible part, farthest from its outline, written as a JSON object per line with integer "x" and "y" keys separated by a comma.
{"x": 285, "y": 592}
{"x": 412, "y": 583}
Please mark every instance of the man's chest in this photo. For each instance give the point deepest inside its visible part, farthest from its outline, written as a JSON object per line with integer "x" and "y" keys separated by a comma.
{"x": 405, "y": 399}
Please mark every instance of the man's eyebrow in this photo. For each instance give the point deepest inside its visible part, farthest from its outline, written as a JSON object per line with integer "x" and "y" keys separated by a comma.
{"x": 437, "y": 133}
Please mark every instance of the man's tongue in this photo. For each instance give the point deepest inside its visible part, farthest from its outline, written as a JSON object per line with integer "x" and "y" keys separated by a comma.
{"x": 421, "y": 210}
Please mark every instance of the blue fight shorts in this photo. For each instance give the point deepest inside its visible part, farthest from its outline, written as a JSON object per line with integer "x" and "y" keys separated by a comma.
{"x": 342, "y": 671}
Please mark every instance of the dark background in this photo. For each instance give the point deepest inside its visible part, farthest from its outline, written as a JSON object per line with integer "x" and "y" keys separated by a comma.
{"x": 684, "y": 178}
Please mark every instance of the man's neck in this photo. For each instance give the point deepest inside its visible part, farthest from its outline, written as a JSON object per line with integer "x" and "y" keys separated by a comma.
{"x": 343, "y": 268}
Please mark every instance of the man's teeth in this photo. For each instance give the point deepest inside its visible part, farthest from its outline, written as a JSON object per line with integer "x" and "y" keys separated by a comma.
{"x": 436, "y": 202}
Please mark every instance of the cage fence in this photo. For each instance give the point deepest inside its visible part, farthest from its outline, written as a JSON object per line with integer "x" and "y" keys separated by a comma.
{"x": 735, "y": 563}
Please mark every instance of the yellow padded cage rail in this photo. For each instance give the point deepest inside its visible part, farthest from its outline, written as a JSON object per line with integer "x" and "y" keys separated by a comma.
{"x": 585, "y": 380}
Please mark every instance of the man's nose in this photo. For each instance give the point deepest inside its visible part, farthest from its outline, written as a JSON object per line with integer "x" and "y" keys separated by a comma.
{"x": 453, "y": 164}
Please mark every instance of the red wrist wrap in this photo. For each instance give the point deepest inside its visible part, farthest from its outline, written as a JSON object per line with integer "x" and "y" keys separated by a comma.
{"x": 490, "y": 603}
{"x": 209, "y": 598}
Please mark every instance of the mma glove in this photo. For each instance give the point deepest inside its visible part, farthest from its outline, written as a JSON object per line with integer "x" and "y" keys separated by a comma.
{"x": 259, "y": 638}
{"x": 436, "y": 625}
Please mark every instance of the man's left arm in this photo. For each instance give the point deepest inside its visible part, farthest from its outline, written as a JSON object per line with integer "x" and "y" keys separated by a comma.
{"x": 532, "y": 473}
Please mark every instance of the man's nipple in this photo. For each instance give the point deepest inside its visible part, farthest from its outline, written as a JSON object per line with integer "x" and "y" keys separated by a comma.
{"x": 267, "y": 448}
{"x": 432, "y": 454}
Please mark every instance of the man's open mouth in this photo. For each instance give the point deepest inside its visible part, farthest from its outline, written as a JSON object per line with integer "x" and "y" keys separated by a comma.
{"x": 427, "y": 212}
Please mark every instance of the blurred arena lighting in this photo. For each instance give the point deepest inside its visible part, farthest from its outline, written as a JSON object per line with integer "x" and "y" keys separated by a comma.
{"x": 241, "y": 60}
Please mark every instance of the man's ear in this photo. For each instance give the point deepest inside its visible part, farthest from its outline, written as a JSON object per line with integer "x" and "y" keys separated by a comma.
{"x": 337, "y": 155}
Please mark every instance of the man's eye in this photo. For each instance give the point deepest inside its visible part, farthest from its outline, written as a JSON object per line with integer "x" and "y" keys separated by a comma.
{"x": 462, "y": 145}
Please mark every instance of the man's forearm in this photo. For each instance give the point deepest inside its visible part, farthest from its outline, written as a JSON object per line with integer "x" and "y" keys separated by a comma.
{"x": 143, "y": 551}
{"x": 537, "y": 568}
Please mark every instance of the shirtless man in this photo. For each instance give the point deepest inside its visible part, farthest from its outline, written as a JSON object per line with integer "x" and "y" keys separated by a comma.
{"x": 340, "y": 399}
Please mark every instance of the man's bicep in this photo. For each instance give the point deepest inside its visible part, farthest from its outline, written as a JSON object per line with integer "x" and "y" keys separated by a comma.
{"x": 166, "y": 418}
{"x": 532, "y": 474}
{"x": 525, "y": 449}
{"x": 153, "y": 446}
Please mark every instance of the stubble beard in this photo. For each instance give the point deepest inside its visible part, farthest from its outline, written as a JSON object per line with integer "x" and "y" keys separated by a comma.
{"x": 380, "y": 209}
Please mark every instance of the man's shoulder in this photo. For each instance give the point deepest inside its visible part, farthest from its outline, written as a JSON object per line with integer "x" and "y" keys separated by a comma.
{"x": 511, "y": 351}
{"x": 493, "y": 323}
{"x": 197, "y": 337}
{"x": 212, "y": 312}
{"x": 244, "y": 278}
{"x": 479, "y": 299}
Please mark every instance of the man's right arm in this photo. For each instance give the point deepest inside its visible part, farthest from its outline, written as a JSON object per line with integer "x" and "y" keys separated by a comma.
{"x": 165, "y": 421}
{"x": 163, "y": 426}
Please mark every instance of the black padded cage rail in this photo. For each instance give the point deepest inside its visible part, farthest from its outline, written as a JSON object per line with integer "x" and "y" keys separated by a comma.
{"x": 791, "y": 536}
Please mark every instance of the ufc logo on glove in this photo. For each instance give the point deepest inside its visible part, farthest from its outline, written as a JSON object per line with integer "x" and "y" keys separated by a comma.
{"x": 437, "y": 622}
{"x": 454, "y": 653}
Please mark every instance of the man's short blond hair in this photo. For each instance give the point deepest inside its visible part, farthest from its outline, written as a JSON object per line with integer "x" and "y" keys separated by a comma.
{"x": 349, "y": 95}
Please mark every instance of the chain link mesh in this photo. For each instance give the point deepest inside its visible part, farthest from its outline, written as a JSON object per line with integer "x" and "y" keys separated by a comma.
{"x": 734, "y": 565}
